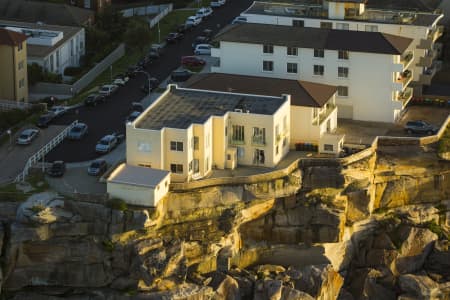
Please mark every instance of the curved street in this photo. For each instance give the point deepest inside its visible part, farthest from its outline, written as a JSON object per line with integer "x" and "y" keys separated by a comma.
{"x": 110, "y": 116}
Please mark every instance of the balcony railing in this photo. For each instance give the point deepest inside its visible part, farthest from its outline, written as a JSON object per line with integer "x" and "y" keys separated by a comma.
{"x": 323, "y": 115}
{"x": 236, "y": 142}
{"x": 407, "y": 58}
{"x": 404, "y": 78}
{"x": 258, "y": 141}
{"x": 405, "y": 96}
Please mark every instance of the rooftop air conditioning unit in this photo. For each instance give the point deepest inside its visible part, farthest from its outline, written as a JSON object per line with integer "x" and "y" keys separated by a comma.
{"x": 238, "y": 110}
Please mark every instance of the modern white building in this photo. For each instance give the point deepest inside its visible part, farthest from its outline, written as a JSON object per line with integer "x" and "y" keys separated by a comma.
{"x": 372, "y": 70}
{"x": 421, "y": 27}
{"x": 189, "y": 132}
{"x": 313, "y": 106}
{"x": 50, "y": 46}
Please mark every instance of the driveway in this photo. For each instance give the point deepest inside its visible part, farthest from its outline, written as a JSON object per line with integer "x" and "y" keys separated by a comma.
{"x": 109, "y": 117}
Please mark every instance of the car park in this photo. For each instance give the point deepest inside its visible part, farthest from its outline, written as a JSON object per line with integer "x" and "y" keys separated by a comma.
{"x": 239, "y": 20}
{"x": 45, "y": 120}
{"x": 217, "y": 3}
{"x": 78, "y": 131}
{"x": 57, "y": 110}
{"x": 174, "y": 37}
{"x": 154, "y": 82}
{"x": 193, "y": 20}
{"x": 94, "y": 99}
{"x": 97, "y": 167}
{"x": 106, "y": 143}
{"x": 200, "y": 40}
{"x": 133, "y": 116}
{"x": 180, "y": 75}
{"x": 156, "y": 51}
{"x": 108, "y": 89}
{"x": 27, "y": 136}
{"x": 192, "y": 61}
{"x": 57, "y": 169}
{"x": 202, "y": 49}
{"x": 121, "y": 80}
{"x": 420, "y": 127}
{"x": 204, "y": 12}
{"x": 207, "y": 32}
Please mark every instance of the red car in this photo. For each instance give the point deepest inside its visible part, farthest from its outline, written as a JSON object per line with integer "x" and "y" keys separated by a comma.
{"x": 192, "y": 61}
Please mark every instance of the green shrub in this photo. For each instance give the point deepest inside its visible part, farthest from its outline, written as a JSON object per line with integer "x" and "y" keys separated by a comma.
{"x": 117, "y": 204}
{"x": 108, "y": 245}
{"x": 437, "y": 229}
{"x": 72, "y": 71}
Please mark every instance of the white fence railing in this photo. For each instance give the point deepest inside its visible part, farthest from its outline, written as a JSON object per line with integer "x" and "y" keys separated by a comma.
{"x": 158, "y": 10}
{"x": 43, "y": 151}
{"x": 6, "y": 105}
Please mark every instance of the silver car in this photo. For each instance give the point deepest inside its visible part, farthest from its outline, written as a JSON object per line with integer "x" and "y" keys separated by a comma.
{"x": 78, "y": 131}
{"x": 106, "y": 144}
{"x": 27, "y": 136}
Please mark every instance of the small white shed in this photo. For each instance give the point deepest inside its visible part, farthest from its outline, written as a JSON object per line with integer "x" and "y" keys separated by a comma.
{"x": 138, "y": 185}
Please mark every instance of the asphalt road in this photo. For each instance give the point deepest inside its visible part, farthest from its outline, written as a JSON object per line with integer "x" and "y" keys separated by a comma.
{"x": 110, "y": 117}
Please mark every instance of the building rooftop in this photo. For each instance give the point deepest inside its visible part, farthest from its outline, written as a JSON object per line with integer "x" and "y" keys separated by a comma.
{"x": 303, "y": 93}
{"x": 180, "y": 108}
{"x": 315, "y": 38}
{"x": 46, "y": 12}
{"x": 11, "y": 38}
{"x": 137, "y": 176}
{"x": 311, "y": 9}
{"x": 34, "y": 50}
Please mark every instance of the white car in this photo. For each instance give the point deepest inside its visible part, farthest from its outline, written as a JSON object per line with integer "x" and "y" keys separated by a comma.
{"x": 27, "y": 136}
{"x": 106, "y": 144}
{"x": 204, "y": 12}
{"x": 193, "y": 20}
{"x": 108, "y": 90}
{"x": 202, "y": 49}
{"x": 217, "y": 3}
{"x": 120, "y": 81}
{"x": 58, "y": 110}
{"x": 239, "y": 20}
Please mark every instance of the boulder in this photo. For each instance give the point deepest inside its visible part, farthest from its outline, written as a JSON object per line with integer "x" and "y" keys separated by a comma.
{"x": 319, "y": 281}
{"x": 267, "y": 269}
{"x": 419, "y": 286}
{"x": 438, "y": 262}
{"x": 36, "y": 204}
{"x": 373, "y": 290}
{"x": 293, "y": 294}
{"x": 225, "y": 286}
{"x": 339, "y": 254}
{"x": 357, "y": 205}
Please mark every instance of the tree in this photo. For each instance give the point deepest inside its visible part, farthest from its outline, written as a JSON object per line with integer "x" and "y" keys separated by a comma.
{"x": 111, "y": 21}
{"x": 35, "y": 73}
{"x": 137, "y": 35}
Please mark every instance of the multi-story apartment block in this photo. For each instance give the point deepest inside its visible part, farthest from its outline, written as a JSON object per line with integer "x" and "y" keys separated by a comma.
{"x": 13, "y": 66}
{"x": 188, "y": 132}
{"x": 372, "y": 70}
{"x": 313, "y": 108}
{"x": 421, "y": 27}
{"x": 52, "y": 47}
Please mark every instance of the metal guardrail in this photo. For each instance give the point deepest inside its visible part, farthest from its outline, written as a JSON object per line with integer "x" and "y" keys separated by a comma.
{"x": 6, "y": 105}
{"x": 43, "y": 151}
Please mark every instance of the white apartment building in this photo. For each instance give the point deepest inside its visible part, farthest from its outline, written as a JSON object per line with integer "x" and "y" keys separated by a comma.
{"x": 421, "y": 27}
{"x": 188, "y": 132}
{"x": 50, "y": 46}
{"x": 370, "y": 69}
{"x": 313, "y": 106}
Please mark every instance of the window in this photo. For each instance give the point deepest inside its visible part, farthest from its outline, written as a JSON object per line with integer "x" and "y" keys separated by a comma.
{"x": 196, "y": 165}
{"x": 143, "y": 147}
{"x": 319, "y": 70}
{"x": 372, "y": 28}
{"x": 326, "y": 25}
{"x": 267, "y": 66}
{"x": 343, "y": 54}
{"x": 21, "y": 83}
{"x": 342, "y": 91}
{"x": 298, "y": 23}
{"x": 293, "y": 51}
{"x": 240, "y": 152}
{"x": 19, "y": 46}
{"x": 319, "y": 53}
{"x": 176, "y": 168}
{"x": 258, "y": 157}
{"x": 20, "y": 65}
{"x": 343, "y": 72}
{"x": 228, "y": 157}
{"x": 259, "y": 136}
{"x": 238, "y": 133}
{"x": 176, "y": 146}
{"x": 267, "y": 49}
{"x": 328, "y": 147}
{"x": 291, "y": 68}
{"x": 195, "y": 142}
{"x": 342, "y": 26}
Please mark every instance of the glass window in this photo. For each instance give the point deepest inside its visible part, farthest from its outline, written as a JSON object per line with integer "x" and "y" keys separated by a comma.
{"x": 267, "y": 48}
{"x": 176, "y": 146}
{"x": 343, "y": 54}
{"x": 291, "y": 67}
{"x": 238, "y": 133}
{"x": 20, "y": 65}
{"x": 259, "y": 136}
{"x": 298, "y": 23}
{"x": 319, "y": 53}
{"x": 342, "y": 91}
{"x": 343, "y": 72}
{"x": 267, "y": 66}
{"x": 258, "y": 157}
{"x": 342, "y": 26}
{"x": 319, "y": 70}
{"x": 195, "y": 142}
{"x": 292, "y": 51}
{"x": 328, "y": 147}
{"x": 176, "y": 168}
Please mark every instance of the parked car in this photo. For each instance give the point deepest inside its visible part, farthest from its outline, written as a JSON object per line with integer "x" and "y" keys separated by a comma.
{"x": 207, "y": 32}
{"x": 217, "y": 3}
{"x": 420, "y": 127}
{"x": 193, "y": 20}
{"x": 58, "y": 110}
{"x": 181, "y": 75}
{"x": 133, "y": 116}
{"x": 156, "y": 51}
{"x": 57, "y": 169}
{"x": 97, "y": 167}
{"x": 121, "y": 80}
{"x": 94, "y": 99}
{"x": 133, "y": 71}
{"x": 78, "y": 131}
{"x": 106, "y": 144}
{"x": 200, "y": 40}
{"x": 144, "y": 61}
{"x": 183, "y": 28}
{"x": 108, "y": 89}
{"x": 119, "y": 136}
{"x": 137, "y": 106}
{"x": 154, "y": 82}
{"x": 204, "y": 12}
{"x": 174, "y": 37}
{"x": 202, "y": 49}
{"x": 192, "y": 61}
{"x": 239, "y": 20}
{"x": 45, "y": 120}
{"x": 27, "y": 136}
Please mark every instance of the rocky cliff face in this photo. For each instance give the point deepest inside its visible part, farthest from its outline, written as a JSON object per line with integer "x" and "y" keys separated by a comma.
{"x": 375, "y": 229}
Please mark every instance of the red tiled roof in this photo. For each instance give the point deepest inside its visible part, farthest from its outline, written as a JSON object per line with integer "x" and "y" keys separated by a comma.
{"x": 11, "y": 38}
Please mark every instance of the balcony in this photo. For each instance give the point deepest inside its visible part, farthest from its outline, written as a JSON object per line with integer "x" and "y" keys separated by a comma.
{"x": 402, "y": 80}
{"x": 234, "y": 142}
{"x": 427, "y": 60}
{"x": 323, "y": 115}
{"x": 429, "y": 73}
{"x": 405, "y": 96}
{"x": 258, "y": 141}
{"x": 431, "y": 38}
{"x": 406, "y": 59}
